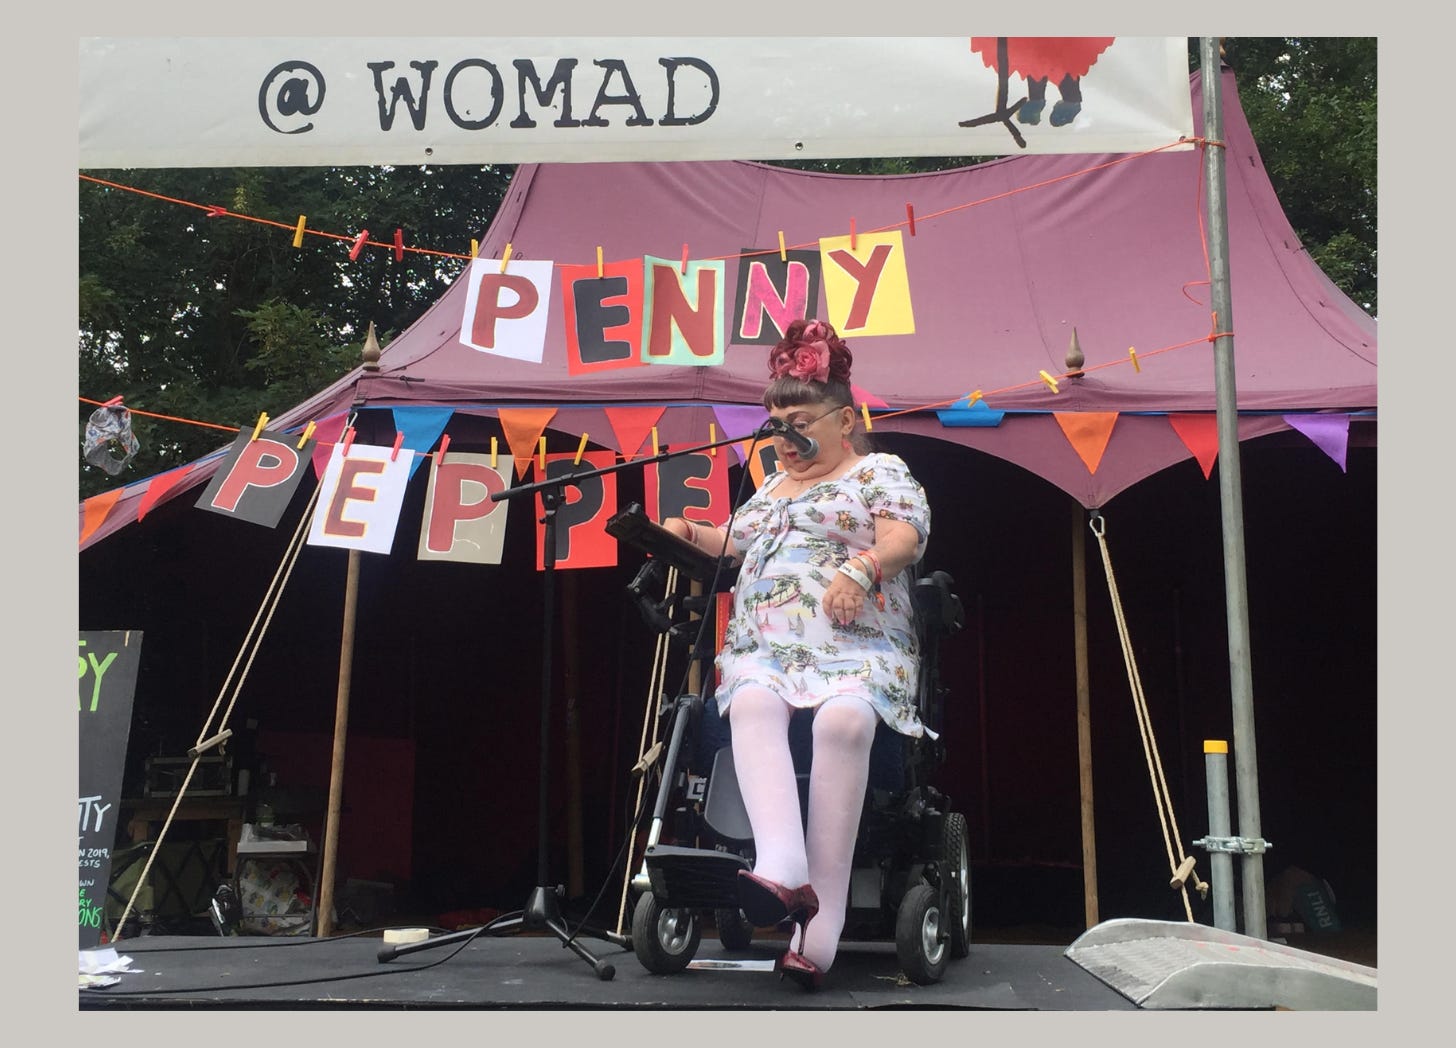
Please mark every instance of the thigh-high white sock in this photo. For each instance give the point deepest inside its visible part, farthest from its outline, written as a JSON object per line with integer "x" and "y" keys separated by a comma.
{"x": 759, "y": 721}
{"x": 844, "y": 728}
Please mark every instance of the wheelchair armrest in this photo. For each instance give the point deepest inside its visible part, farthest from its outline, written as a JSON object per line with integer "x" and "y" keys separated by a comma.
{"x": 939, "y": 608}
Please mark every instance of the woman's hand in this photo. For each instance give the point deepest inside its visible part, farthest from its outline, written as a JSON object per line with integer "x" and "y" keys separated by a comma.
{"x": 844, "y": 599}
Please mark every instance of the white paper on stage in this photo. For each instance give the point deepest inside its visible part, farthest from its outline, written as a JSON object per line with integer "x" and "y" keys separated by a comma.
{"x": 506, "y": 311}
{"x": 360, "y": 496}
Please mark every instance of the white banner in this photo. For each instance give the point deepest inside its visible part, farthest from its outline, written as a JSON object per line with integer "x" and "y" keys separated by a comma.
{"x": 286, "y": 101}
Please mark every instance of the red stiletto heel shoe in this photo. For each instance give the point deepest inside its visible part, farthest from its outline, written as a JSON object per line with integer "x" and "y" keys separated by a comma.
{"x": 766, "y": 903}
{"x": 801, "y": 970}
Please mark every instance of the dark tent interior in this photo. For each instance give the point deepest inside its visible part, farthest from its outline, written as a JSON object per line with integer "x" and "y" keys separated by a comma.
{"x": 441, "y": 773}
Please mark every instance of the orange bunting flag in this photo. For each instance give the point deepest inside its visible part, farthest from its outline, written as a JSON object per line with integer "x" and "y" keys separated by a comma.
{"x": 523, "y": 428}
{"x": 95, "y": 510}
{"x": 1199, "y": 434}
{"x": 632, "y": 427}
{"x": 1088, "y": 433}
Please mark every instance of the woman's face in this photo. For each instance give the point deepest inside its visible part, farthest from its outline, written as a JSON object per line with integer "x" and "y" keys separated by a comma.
{"x": 825, "y": 423}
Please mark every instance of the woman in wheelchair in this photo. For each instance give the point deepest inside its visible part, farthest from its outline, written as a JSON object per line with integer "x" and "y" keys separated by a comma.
{"x": 822, "y": 618}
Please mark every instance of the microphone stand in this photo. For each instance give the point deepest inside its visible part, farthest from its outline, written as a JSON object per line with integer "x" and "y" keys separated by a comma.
{"x": 543, "y": 907}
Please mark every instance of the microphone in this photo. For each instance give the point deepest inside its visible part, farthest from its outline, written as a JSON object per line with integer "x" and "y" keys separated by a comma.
{"x": 806, "y": 446}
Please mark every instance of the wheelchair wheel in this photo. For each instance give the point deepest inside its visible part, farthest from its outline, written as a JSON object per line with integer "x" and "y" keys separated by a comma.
{"x": 664, "y": 938}
{"x": 920, "y": 936}
{"x": 734, "y": 931}
{"x": 956, "y": 864}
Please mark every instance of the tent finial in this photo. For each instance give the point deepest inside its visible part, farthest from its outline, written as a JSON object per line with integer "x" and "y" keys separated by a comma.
{"x": 1075, "y": 358}
{"x": 371, "y": 350}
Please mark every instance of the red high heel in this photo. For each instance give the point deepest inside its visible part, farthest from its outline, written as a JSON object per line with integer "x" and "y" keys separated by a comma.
{"x": 801, "y": 970}
{"x": 766, "y": 903}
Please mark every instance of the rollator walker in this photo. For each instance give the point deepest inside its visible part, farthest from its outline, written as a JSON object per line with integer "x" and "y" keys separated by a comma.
{"x": 910, "y": 879}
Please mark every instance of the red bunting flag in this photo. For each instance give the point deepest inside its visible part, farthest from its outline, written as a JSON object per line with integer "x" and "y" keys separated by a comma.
{"x": 1199, "y": 434}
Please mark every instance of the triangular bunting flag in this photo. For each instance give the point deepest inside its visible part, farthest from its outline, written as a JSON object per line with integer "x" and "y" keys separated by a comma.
{"x": 740, "y": 420}
{"x": 864, "y": 396}
{"x": 523, "y": 428}
{"x": 632, "y": 426}
{"x": 964, "y": 413}
{"x": 421, "y": 428}
{"x": 158, "y": 488}
{"x": 96, "y": 509}
{"x": 1199, "y": 434}
{"x": 325, "y": 435}
{"x": 1330, "y": 433}
{"x": 1088, "y": 432}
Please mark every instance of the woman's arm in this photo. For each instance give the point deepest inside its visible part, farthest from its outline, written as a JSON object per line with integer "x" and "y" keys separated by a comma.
{"x": 704, "y": 536}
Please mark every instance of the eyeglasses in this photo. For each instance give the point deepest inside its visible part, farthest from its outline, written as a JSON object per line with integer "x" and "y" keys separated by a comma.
{"x": 802, "y": 425}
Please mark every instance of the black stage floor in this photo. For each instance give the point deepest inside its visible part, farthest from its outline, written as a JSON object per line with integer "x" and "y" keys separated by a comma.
{"x": 535, "y": 971}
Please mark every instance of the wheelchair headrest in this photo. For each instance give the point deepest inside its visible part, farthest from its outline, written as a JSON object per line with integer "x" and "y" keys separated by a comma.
{"x": 937, "y": 605}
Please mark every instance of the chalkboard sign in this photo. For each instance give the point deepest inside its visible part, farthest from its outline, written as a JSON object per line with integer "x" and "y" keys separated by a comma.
{"x": 107, "y": 666}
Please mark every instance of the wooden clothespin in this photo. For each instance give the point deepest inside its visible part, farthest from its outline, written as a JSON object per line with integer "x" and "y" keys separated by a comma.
{"x": 972, "y": 398}
{"x": 910, "y": 214}
{"x": 654, "y": 441}
{"x": 580, "y": 451}
{"x": 685, "y": 260}
{"x": 398, "y": 440}
{"x": 474, "y": 248}
{"x": 262, "y": 421}
{"x": 298, "y": 232}
{"x": 783, "y": 252}
{"x": 853, "y": 237}
{"x": 505, "y": 257}
{"x": 348, "y": 440}
{"x": 713, "y": 438}
{"x": 113, "y": 402}
{"x": 541, "y": 452}
{"x": 600, "y": 271}
{"x": 493, "y": 453}
{"x": 213, "y": 211}
{"x": 399, "y": 245}
{"x": 359, "y": 242}
{"x": 1132, "y": 353}
{"x": 444, "y": 446}
{"x": 1051, "y": 382}
{"x": 864, "y": 409}
{"x": 307, "y": 432}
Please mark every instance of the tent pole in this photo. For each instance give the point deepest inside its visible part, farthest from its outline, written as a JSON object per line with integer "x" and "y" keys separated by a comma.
{"x": 325, "y": 887}
{"x": 1246, "y": 771}
{"x": 1084, "y": 713}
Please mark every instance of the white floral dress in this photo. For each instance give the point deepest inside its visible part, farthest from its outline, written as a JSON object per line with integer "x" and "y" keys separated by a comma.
{"x": 780, "y": 637}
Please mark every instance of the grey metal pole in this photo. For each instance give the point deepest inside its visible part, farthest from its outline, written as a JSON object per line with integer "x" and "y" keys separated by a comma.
{"x": 1246, "y": 770}
{"x": 1220, "y": 863}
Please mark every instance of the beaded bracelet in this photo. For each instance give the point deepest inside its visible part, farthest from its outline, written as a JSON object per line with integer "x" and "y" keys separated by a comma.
{"x": 692, "y": 535}
{"x": 860, "y": 578}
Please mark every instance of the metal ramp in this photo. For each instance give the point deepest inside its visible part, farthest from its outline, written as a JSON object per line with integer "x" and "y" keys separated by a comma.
{"x": 1177, "y": 965}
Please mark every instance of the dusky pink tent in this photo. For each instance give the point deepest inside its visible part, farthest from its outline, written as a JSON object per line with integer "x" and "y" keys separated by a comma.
{"x": 1007, "y": 259}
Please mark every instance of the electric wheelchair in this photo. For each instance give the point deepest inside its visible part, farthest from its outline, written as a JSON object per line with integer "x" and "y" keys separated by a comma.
{"x": 911, "y": 876}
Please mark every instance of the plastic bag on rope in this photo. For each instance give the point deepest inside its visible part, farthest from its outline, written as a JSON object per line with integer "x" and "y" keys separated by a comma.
{"x": 110, "y": 443}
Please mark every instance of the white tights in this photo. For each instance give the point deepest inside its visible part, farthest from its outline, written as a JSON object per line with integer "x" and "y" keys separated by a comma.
{"x": 788, "y": 852}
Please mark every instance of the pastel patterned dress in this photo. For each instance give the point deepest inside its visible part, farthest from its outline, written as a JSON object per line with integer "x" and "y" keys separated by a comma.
{"x": 779, "y": 636}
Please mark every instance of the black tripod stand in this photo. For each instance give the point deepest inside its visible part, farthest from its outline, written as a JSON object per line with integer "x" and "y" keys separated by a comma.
{"x": 543, "y": 908}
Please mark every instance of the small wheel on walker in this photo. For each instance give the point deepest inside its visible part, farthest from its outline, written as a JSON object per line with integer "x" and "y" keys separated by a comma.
{"x": 664, "y": 938}
{"x": 734, "y": 931}
{"x": 956, "y": 869}
{"x": 921, "y": 940}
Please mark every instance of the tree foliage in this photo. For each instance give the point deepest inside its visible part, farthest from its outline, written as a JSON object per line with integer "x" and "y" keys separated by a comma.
{"x": 216, "y": 319}
{"x": 1311, "y": 105}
